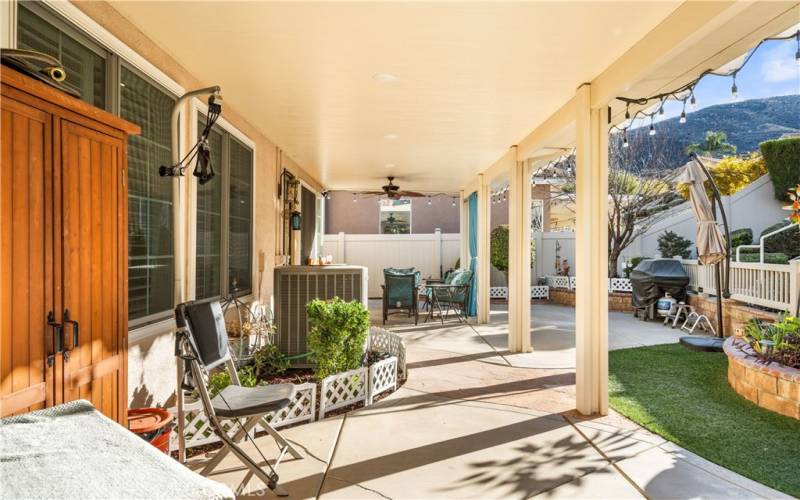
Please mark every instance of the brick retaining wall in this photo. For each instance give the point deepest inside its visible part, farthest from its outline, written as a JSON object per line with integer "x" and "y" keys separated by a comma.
{"x": 774, "y": 387}
{"x": 734, "y": 313}
{"x": 620, "y": 302}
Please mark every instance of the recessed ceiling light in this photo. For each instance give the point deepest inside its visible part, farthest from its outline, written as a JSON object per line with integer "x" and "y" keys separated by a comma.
{"x": 390, "y": 137}
{"x": 389, "y": 165}
{"x": 384, "y": 77}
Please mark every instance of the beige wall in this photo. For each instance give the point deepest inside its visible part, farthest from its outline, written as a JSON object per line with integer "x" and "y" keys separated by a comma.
{"x": 344, "y": 216}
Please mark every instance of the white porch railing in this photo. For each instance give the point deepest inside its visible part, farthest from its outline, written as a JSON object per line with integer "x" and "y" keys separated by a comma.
{"x": 768, "y": 285}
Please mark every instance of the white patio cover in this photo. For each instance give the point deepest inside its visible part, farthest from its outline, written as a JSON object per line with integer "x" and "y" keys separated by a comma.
{"x": 710, "y": 242}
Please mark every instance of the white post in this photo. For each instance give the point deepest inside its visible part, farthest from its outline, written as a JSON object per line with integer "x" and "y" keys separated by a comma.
{"x": 484, "y": 225}
{"x": 591, "y": 256}
{"x": 463, "y": 229}
{"x": 437, "y": 252}
{"x": 519, "y": 259}
{"x": 340, "y": 245}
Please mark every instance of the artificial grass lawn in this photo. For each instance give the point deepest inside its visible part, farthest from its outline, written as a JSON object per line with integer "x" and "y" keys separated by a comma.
{"x": 684, "y": 396}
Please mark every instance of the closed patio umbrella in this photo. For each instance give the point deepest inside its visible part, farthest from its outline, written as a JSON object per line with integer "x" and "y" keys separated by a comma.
{"x": 711, "y": 247}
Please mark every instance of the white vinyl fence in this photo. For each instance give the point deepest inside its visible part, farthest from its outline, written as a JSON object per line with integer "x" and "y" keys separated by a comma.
{"x": 428, "y": 253}
{"x": 768, "y": 285}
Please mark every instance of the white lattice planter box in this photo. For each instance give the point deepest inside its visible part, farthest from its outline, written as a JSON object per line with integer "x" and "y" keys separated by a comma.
{"x": 558, "y": 282}
{"x": 382, "y": 377}
{"x": 620, "y": 285}
{"x": 573, "y": 281}
{"x": 498, "y": 292}
{"x": 197, "y": 430}
{"x": 382, "y": 340}
{"x": 540, "y": 292}
{"x": 343, "y": 389}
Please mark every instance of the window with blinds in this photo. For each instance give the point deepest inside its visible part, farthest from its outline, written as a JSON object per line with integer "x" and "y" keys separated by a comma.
{"x": 85, "y": 64}
{"x": 225, "y": 220}
{"x": 150, "y": 252}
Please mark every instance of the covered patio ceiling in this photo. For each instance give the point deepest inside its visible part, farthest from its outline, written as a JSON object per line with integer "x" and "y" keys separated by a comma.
{"x": 471, "y": 78}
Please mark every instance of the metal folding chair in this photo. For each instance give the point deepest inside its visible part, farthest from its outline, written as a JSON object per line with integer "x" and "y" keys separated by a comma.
{"x": 201, "y": 343}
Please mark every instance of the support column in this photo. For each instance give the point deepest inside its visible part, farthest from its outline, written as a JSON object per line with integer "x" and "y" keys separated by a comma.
{"x": 484, "y": 225}
{"x": 519, "y": 259}
{"x": 463, "y": 229}
{"x": 591, "y": 256}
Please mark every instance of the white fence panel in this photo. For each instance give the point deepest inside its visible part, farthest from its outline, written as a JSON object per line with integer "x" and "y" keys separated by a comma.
{"x": 768, "y": 285}
{"x": 343, "y": 389}
{"x": 382, "y": 377}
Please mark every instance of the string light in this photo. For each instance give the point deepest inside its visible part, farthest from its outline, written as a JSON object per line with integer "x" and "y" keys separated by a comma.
{"x": 430, "y": 202}
{"x": 355, "y": 200}
{"x": 454, "y": 202}
{"x": 685, "y": 93}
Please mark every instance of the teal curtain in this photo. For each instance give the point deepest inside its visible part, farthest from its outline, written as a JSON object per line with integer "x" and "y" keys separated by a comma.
{"x": 472, "y": 206}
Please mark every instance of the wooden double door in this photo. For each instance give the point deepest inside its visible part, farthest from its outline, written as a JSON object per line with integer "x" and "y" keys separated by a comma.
{"x": 63, "y": 282}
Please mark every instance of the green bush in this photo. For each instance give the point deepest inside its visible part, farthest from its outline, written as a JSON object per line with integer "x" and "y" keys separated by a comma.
{"x": 337, "y": 335}
{"x": 269, "y": 361}
{"x": 633, "y": 262}
{"x": 769, "y": 258}
{"x": 222, "y": 379}
{"x": 498, "y": 248}
{"x": 670, "y": 245}
{"x": 787, "y": 242}
{"x": 782, "y": 157}
{"x": 741, "y": 237}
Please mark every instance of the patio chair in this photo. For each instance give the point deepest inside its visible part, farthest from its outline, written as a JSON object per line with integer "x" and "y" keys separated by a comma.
{"x": 453, "y": 293}
{"x": 201, "y": 343}
{"x": 400, "y": 292}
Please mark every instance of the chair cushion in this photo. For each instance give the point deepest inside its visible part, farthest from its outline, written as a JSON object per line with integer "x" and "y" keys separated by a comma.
{"x": 461, "y": 277}
{"x": 238, "y": 401}
{"x": 398, "y": 270}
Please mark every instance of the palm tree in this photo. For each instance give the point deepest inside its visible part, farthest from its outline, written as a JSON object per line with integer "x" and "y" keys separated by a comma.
{"x": 714, "y": 145}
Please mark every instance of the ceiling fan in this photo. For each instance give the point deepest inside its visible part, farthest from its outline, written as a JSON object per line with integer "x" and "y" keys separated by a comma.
{"x": 393, "y": 191}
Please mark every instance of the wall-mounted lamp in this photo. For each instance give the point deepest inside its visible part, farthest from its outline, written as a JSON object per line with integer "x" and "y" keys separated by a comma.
{"x": 296, "y": 220}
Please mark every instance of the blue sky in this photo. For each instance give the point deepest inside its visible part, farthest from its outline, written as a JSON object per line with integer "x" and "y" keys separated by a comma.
{"x": 772, "y": 71}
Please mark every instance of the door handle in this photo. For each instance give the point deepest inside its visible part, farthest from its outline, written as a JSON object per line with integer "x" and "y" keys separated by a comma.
{"x": 75, "y": 333}
{"x": 58, "y": 338}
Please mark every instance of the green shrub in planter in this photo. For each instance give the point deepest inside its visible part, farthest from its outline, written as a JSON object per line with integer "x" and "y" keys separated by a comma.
{"x": 741, "y": 237}
{"x": 337, "y": 335}
{"x": 769, "y": 258}
{"x": 782, "y": 157}
{"x": 787, "y": 242}
{"x": 222, "y": 379}
{"x": 269, "y": 361}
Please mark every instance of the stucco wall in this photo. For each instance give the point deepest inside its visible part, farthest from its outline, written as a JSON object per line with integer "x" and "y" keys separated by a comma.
{"x": 150, "y": 361}
{"x": 361, "y": 217}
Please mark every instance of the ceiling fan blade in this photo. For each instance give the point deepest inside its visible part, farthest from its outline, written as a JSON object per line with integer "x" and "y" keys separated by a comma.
{"x": 410, "y": 194}
{"x": 379, "y": 193}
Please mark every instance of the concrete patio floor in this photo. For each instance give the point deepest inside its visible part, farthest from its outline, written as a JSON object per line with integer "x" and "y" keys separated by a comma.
{"x": 473, "y": 422}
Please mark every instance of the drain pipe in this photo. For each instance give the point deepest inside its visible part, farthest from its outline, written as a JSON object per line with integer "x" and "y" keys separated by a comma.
{"x": 177, "y": 187}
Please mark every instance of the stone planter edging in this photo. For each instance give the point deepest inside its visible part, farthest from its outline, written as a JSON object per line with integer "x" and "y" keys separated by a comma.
{"x": 770, "y": 386}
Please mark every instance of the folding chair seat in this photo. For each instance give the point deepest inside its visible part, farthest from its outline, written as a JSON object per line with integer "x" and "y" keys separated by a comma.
{"x": 201, "y": 344}
{"x": 237, "y": 401}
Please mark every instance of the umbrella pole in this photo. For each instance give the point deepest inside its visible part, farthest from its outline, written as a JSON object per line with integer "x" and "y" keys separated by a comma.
{"x": 721, "y": 292}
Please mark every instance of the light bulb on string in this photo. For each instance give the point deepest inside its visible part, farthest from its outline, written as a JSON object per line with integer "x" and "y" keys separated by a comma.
{"x": 430, "y": 202}
{"x": 693, "y": 101}
{"x": 354, "y": 198}
{"x": 661, "y": 108}
{"x": 627, "y": 112}
{"x": 797, "y": 54}
{"x": 683, "y": 114}
{"x": 734, "y": 88}
{"x": 454, "y": 202}
{"x": 625, "y": 138}
{"x": 652, "y": 128}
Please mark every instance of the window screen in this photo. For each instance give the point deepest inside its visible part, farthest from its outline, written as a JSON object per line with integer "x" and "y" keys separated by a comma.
{"x": 150, "y": 253}
{"x": 240, "y": 217}
{"x": 86, "y": 69}
{"x": 209, "y": 225}
{"x": 224, "y": 220}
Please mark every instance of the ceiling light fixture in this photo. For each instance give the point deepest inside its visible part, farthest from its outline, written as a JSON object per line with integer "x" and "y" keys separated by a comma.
{"x": 389, "y": 165}
{"x": 390, "y": 137}
{"x": 384, "y": 77}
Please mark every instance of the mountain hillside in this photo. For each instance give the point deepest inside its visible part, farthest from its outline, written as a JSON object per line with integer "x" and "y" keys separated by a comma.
{"x": 747, "y": 124}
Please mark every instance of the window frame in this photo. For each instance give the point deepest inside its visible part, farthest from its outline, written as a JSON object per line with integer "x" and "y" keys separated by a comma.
{"x": 230, "y": 132}
{"x": 75, "y": 23}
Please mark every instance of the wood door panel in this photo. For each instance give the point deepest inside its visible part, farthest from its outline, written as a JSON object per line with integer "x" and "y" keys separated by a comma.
{"x": 26, "y": 258}
{"x": 92, "y": 282}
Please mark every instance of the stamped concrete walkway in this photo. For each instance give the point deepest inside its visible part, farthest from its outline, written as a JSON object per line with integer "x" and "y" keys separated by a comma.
{"x": 469, "y": 424}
